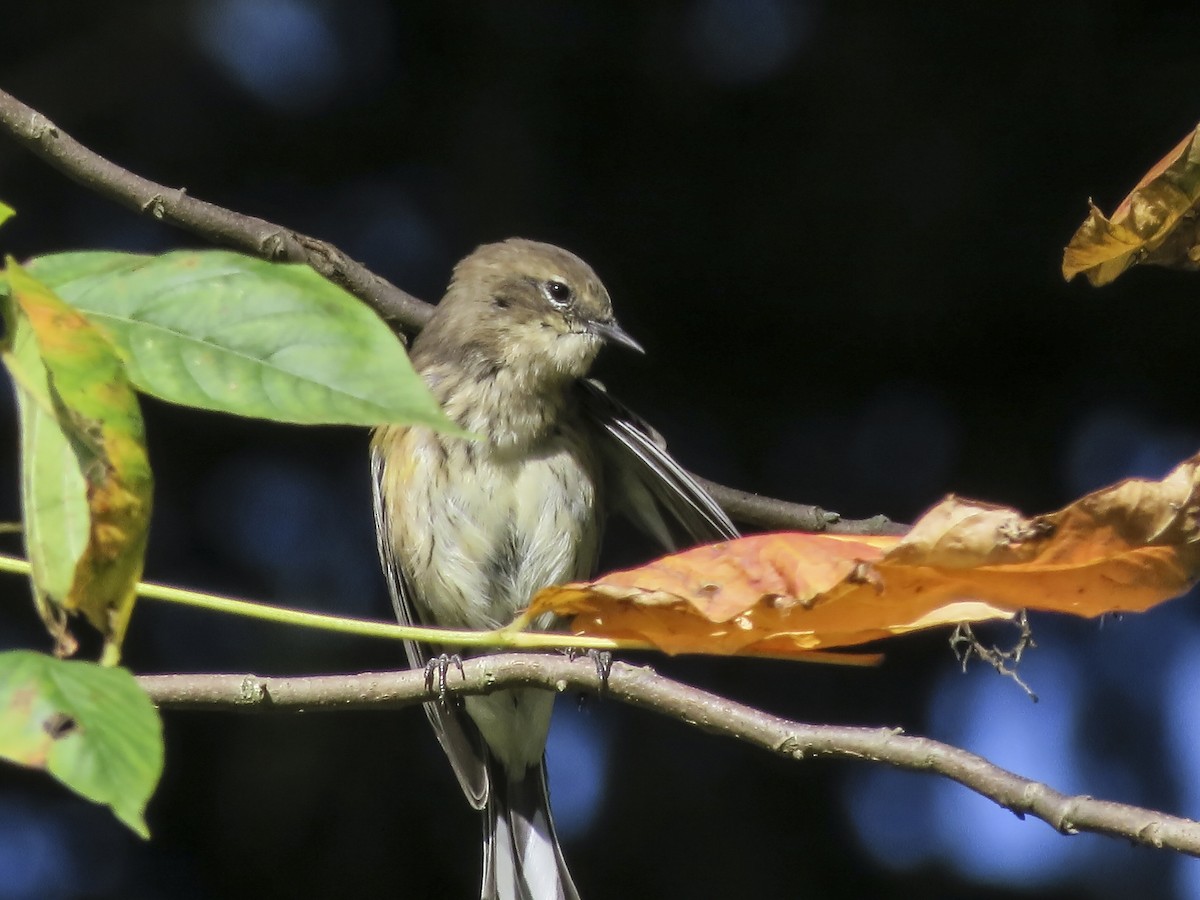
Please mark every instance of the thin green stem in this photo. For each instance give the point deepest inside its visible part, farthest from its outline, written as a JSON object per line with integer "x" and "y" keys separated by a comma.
{"x": 502, "y": 637}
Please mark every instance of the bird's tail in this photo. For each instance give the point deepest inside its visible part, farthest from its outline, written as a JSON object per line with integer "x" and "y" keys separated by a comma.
{"x": 521, "y": 856}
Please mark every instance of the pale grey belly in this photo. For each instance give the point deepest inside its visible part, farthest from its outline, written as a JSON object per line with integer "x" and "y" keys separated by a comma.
{"x": 492, "y": 537}
{"x": 479, "y": 546}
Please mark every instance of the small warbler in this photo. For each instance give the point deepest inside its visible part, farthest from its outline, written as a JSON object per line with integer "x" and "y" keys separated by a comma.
{"x": 470, "y": 530}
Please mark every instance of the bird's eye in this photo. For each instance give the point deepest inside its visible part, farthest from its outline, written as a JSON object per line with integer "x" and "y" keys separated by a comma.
{"x": 557, "y": 292}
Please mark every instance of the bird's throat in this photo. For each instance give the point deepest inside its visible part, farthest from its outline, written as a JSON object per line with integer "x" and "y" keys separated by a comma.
{"x": 512, "y": 410}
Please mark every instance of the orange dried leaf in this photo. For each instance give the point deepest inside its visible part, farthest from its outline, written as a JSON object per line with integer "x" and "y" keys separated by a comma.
{"x": 1121, "y": 549}
{"x": 1156, "y": 224}
{"x": 87, "y": 479}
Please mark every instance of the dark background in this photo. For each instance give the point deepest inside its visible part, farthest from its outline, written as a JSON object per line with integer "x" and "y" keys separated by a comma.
{"x": 836, "y": 227}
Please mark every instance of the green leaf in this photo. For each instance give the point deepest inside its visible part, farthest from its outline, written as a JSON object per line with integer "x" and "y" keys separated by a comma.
{"x": 62, "y": 268}
{"x": 227, "y": 332}
{"x": 6, "y": 213}
{"x": 91, "y": 727}
{"x": 86, "y": 479}
{"x": 53, "y": 492}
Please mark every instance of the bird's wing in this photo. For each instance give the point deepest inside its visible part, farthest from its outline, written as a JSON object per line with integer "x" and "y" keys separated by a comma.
{"x": 455, "y": 732}
{"x": 649, "y": 481}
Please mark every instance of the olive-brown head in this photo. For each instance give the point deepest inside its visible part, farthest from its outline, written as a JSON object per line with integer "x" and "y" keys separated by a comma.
{"x": 525, "y": 306}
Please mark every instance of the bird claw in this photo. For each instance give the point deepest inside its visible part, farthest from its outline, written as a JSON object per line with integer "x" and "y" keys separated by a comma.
{"x": 435, "y": 673}
{"x": 601, "y": 659}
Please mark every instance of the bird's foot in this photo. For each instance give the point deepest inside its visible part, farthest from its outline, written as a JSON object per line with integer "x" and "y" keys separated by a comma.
{"x": 435, "y": 674}
{"x": 601, "y": 659}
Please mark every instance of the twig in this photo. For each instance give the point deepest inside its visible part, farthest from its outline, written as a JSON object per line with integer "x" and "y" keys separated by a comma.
{"x": 965, "y": 645}
{"x": 642, "y": 687}
{"x": 770, "y": 513}
{"x": 207, "y": 220}
{"x": 270, "y": 241}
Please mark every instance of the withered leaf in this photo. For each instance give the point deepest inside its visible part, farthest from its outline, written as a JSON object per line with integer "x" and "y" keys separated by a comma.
{"x": 1125, "y": 548}
{"x": 1155, "y": 225}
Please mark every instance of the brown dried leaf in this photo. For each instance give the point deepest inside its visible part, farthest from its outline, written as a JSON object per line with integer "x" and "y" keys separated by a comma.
{"x": 1155, "y": 225}
{"x": 1121, "y": 549}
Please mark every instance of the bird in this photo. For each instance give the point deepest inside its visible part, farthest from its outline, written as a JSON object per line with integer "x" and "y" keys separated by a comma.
{"x": 470, "y": 528}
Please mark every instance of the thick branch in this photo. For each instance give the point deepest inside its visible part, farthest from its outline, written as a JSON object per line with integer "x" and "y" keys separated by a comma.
{"x": 643, "y": 687}
{"x": 270, "y": 241}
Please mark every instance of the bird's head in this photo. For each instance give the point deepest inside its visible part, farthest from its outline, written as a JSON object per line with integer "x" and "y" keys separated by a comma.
{"x": 526, "y": 306}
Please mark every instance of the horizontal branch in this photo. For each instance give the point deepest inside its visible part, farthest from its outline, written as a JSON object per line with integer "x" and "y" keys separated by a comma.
{"x": 275, "y": 242}
{"x": 643, "y": 687}
{"x": 772, "y": 514}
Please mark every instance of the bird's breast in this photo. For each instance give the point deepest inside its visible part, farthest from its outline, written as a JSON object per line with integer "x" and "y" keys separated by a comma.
{"x": 482, "y": 528}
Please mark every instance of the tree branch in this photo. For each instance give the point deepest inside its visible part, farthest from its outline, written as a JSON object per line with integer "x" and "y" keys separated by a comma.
{"x": 642, "y": 687}
{"x": 274, "y": 242}
{"x": 772, "y": 514}
{"x": 209, "y": 221}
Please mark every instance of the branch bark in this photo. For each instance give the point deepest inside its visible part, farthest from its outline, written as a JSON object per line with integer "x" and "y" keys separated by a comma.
{"x": 207, "y": 220}
{"x": 642, "y": 687}
{"x": 274, "y": 242}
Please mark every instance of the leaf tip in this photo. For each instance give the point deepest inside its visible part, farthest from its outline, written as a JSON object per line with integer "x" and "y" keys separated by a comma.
{"x": 135, "y": 822}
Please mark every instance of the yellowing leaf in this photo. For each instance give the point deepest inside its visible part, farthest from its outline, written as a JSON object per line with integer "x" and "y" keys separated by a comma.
{"x": 223, "y": 331}
{"x": 1121, "y": 549}
{"x": 87, "y": 484}
{"x": 1156, "y": 224}
{"x": 93, "y": 728}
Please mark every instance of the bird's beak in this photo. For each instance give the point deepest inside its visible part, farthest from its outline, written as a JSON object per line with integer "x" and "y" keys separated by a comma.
{"x": 612, "y": 333}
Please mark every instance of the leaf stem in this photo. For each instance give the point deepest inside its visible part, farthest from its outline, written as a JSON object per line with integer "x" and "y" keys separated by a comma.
{"x": 501, "y": 637}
